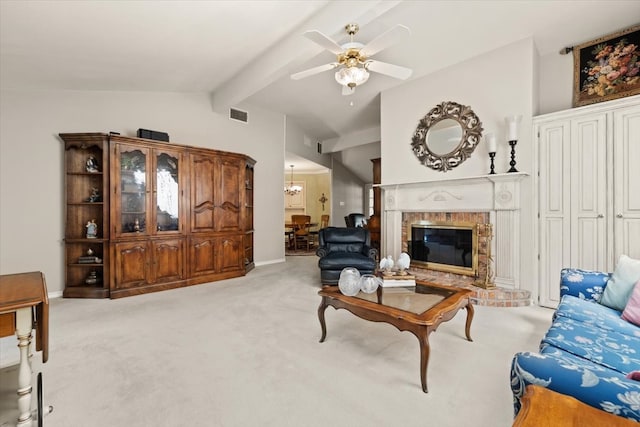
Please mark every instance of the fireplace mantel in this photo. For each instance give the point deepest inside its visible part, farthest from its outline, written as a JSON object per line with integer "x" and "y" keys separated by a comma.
{"x": 498, "y": 194}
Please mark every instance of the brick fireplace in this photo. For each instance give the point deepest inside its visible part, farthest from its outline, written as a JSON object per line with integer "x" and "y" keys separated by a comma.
{"x": 481, "y": 249}
{"x": 492, "y": 199}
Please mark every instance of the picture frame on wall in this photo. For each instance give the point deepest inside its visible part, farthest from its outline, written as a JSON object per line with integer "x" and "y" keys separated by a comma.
{"x": 607, "y": 68}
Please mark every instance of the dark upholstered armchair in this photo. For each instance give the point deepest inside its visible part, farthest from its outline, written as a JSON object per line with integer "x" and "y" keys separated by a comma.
{"x": 344, "y": 247}
{"x": 355, "y": 220}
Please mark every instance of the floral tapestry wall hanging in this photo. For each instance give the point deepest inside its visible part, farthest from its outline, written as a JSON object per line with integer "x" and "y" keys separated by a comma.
{"x": 607, "y": 68}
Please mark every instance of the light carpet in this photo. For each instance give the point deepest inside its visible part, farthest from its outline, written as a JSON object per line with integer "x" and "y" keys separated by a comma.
{"x": 245, "y": 352}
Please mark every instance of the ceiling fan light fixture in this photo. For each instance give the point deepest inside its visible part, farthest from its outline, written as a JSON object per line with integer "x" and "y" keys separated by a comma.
{"x": 352, "y": 76}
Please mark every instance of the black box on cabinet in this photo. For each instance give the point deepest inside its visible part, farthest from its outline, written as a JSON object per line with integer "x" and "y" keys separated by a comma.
{"x": 152, "y": 134}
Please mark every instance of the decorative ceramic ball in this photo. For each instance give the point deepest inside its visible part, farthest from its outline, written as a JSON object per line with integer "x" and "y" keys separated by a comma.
{"x": 403, "y": 263}
{"x": 369, "y": 283}
{"x": 349, "y": 281}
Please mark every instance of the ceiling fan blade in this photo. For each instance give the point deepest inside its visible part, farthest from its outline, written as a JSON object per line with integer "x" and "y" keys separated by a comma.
{"x": 314, "y": 70}
{"x": 386, "y": 39}
{"x": 346, "y": 90}
{"x": 385, "y": 68}
{"x": 324, "y": 41}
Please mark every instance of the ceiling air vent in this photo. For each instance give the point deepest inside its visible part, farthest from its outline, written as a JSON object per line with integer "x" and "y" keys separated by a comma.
{"x": 241, "y": 116}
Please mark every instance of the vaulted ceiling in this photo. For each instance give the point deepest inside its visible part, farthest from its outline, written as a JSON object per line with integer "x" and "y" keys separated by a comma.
{"x": 244, "y": 51}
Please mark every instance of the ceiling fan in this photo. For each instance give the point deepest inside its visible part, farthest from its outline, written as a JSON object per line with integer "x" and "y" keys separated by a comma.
{"x": 354, "y": 59}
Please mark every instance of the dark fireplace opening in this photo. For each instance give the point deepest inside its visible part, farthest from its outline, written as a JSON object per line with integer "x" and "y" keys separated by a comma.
{"x": 444, "y": 246}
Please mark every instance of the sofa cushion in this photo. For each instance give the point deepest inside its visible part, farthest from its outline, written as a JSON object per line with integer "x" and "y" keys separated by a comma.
{"x": 631, "y": 312}
{"x": 578, "y": 362}
{"x": 607, "y": 348}
{"x": 584, "y": 284}
{"x": 595, "y": 315}
{"x": 619, "y": 287}
{"x": 588, "y": 382}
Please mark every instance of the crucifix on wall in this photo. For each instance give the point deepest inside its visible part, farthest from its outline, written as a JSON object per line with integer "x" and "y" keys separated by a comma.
{"x": 323, "y": 200}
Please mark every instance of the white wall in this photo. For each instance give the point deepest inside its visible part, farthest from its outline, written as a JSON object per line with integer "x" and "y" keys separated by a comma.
{"x": 347, "y": 194}
{"x": 358, "y": 159}
{"x": 494, "y": 85}
{"x": 555, "y": 83}
{"x": 298, "y": 143}
{"x": 31, "y": 162}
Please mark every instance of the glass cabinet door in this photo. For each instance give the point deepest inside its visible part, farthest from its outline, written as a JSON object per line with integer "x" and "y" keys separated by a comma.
{"x": 133, "y": 189}
{"x": 167, "y": 193}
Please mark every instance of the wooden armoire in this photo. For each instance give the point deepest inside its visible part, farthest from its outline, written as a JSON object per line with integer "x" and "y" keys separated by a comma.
{"x": 166, "y": 215}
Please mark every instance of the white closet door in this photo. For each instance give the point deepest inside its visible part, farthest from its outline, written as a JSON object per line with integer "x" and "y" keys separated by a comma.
{"x": 555, "y": 187}
{"x": 589, "y": 192}
{"x": 626, "y": 183}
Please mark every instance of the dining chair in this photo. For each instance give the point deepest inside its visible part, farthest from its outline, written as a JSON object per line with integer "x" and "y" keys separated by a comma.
{"x": 301, "y": 232}
{"x": 324, "y": 223}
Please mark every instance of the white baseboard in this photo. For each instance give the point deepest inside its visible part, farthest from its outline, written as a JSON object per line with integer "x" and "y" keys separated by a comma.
{"x": 271, "y": 261}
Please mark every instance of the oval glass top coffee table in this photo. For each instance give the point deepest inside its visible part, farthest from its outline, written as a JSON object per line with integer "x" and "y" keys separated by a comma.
{"x": 418, "y": 309}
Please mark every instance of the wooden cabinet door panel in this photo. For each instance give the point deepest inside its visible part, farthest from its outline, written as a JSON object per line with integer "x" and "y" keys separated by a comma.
{"x": 168, "y": 260}
{"x": 230, "y": 253}
{"x": 626, "y": 209}
{"x": 168, "y": 183}
{"x": 202, "y": 258}
{"x": 589, "y": 192}
{"x": 131, "y": 264}
{"x": 202, "y": 174}
{"x": 228, "y": 196}
{"x": 131, "y": 188}
{"x": 555, "y": 207}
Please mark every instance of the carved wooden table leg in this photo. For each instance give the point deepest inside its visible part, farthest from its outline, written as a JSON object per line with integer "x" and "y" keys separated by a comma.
{"x": 23, "y": 331}
{"x": 423, "y": 339}
{"x": 467, "y": 328}
{"x": 321, "y": 309}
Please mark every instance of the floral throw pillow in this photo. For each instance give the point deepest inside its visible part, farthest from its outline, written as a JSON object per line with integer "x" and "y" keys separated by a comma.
{"x": 631, "y": 312}
{"x": 621, "y": 283}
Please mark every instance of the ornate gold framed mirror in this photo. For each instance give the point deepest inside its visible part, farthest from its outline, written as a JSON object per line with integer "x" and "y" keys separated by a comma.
{"x": 446, "y": 136}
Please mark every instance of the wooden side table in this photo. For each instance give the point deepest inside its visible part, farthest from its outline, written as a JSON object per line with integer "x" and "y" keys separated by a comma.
{"x": 21, "y": 296}
{"x": 542, "y": 407}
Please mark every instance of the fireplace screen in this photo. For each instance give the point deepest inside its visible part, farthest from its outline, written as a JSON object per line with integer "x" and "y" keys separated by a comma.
{"x": 450, "y": 246}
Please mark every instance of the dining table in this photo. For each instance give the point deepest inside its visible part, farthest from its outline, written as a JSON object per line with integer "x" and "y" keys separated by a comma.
{"x": 24, "y": 306}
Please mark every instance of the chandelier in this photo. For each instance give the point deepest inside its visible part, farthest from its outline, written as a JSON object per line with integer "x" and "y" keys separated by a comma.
{"x": 291, "y": 189}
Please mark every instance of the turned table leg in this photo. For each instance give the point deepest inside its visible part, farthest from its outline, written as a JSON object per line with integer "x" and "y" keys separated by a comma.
{"x": 23, "y": 331}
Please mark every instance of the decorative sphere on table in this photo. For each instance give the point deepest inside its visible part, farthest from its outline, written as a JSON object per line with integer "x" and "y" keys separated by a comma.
{"x": 349, "y": 281}
{"x": 369, "y": 283}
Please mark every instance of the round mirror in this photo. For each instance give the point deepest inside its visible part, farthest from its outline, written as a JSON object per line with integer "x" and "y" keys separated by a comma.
{"x": 446, "y": 136}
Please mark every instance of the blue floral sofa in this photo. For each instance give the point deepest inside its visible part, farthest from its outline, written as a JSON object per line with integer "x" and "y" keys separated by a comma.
{"x": 587, "y": 352}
